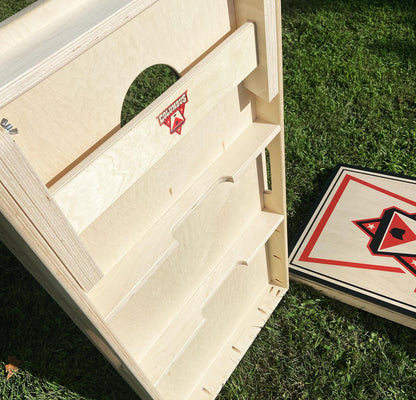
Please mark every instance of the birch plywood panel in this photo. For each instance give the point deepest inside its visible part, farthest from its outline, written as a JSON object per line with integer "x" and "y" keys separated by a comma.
{"x": 236, "y": 296}
{"x": 142, "y": 143}
{"x": 173, "y": 174}
{"x": 95, "y": 83}
{"x": 160, "y": 239}
{"x": 197, "y": 251}
{"x": 360, "y": 245}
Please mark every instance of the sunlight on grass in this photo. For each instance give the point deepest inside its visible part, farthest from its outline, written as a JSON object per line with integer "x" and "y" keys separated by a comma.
{"x": 350, "y": 97}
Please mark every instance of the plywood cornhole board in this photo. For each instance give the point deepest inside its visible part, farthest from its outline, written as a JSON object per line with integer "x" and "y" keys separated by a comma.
{"x": 360, "y": 244}
{"x": 162, "y": 239}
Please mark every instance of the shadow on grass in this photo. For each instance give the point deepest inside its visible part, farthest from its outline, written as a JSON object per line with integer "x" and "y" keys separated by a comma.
{"x": 404, "y": 49}
{"x": 354, "y": 6}
{"x": 397, "y": 334}
{"x": 302, "y": 211}
{"x": 52, "y": 349}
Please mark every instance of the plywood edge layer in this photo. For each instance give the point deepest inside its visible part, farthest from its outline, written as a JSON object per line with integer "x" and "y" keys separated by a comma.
{"x": 107, "y": 173}
{"x": 32, "y": 18}
{"x": 126, "y": 277}
{"x": 41, "y": 49}
{"x": 27, "y": 205}
{"x": 66, "y": 294}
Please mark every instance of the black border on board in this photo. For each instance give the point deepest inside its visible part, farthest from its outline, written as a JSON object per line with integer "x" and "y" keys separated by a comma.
{"x": 325, "y": 283}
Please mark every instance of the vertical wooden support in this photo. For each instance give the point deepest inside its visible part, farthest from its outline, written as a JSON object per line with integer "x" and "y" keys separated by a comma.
{"x": 267, "y": 84}
{"x": 264, "y": 81}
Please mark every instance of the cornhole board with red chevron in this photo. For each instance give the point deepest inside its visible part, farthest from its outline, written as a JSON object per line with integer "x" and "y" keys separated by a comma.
{"x": 359, "y": 245}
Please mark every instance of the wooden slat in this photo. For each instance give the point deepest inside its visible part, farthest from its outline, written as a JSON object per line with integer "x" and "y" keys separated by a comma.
{"x": 202, "y": 237}
{"x": 275, "y": 200}
{"x": 225, "y": 334}
{"x": 263, "y": 81}
{"x": 27, "y": 200}
{"x": 168, "y": 347}
{"x": 124, "y": 279}
{"x": 28, "y": 21}
{"x": 43, "y": 43}
{"x": 191, "y": 257}
{"x": 233, "y": 350}
{"x": 67, "y": 114}
{"x": 112, "y": 169}
{"x": 124, "y": 222}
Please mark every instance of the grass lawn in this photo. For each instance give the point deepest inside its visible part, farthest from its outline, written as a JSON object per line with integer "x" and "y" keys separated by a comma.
{"x": 350, "y": 97}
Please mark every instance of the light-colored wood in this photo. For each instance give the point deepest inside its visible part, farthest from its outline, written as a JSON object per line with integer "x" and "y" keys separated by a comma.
{"x": 340, "y": 255}
{"x": 28, "y": 202}
{"x": 240, "y": 340}
{"x": 167, "y": 180}
{"x": 139, "y": 263}
{"x": 54, "y": 256}
{"x": 196, "y": 253}
{"x": 30, "y": 20}
{"x": 190, "y": 320}
{"x": 104, "y": 176}
{"x": 76, "y": 26}
{"x": 275, "y": 199}
{"x": 223, "y": 312}
{"x": 264, "y": 80}
{"x": 69, "y": 296}
{"x": 167, "y": 250}
{"x": 70, "y": 111}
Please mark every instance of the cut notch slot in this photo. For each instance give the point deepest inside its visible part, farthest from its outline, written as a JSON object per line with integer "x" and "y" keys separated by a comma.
{"x": 266, "y": 170}
{"x": 136, "y": 266}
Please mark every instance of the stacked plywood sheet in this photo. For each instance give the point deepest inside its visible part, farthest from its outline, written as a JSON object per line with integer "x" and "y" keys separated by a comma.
{"x": 162, "y": 239}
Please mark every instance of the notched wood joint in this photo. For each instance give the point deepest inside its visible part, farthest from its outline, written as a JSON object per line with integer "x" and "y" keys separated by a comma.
{"x": 236, "y": 349}
{"x": 206, "y": 391}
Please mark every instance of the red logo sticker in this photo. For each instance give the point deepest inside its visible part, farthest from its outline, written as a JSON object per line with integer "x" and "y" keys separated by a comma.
{"x": 392, "y": 234}
{"x": 174, "y": 115}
